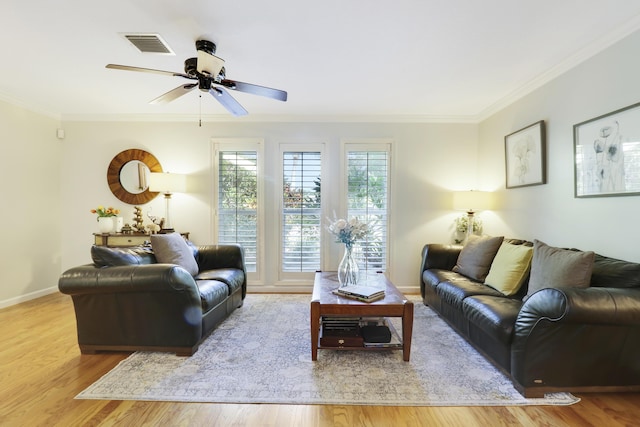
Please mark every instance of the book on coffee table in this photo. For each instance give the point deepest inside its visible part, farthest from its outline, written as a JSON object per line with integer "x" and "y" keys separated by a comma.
{"x": 361, "y": 292}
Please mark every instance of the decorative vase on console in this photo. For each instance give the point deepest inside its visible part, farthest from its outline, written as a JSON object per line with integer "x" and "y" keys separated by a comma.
{"x": 105, "y": 224}
{"x": 348, "y": 232}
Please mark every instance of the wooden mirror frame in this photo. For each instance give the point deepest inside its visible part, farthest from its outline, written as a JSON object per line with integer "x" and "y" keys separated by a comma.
{"x": 113, "y": 175}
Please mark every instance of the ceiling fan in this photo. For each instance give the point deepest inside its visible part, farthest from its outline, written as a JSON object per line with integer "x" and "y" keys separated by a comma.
{"x": 209, "y": 72}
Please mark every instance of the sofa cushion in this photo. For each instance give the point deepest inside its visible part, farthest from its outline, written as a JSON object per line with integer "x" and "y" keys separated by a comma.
{"x": 171, "y": 248}
{"x": 476, "y": 256}
{"x": 233, "y": 277}
{"x": 509, "y": 268}
{"x": 496, "y": 316}
{"x": 554, "y": 267}
{"x": 454, "y": 291}
{"x": 104, "y": 256}
{"x": 434, "y": 276}
{"x": 212, "y": 293}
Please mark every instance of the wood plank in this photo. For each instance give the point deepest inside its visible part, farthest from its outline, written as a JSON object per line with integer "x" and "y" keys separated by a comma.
{"x": 41, "y": 370}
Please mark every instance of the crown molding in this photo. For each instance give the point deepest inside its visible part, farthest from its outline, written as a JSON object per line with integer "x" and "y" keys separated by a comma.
{"x": 33, "y": 108}
{"x": 257, "y": 118}
{"x": 569, "y": 63}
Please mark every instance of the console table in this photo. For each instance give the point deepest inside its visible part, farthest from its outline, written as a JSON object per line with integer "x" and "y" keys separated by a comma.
{"x": 125, "y": 240}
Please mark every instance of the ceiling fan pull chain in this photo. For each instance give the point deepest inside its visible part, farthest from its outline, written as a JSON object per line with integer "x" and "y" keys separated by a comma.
{"x": 200, "y": 113}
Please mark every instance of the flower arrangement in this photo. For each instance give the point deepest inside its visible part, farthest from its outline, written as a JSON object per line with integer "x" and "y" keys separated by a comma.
{"x": 348, "y": 232}
{"x": 103, "y": 212}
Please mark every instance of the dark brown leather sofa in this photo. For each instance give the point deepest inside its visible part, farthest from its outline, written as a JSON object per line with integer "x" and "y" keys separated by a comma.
{"x": 559, "y": 339}
{"x": 126, "y": 301}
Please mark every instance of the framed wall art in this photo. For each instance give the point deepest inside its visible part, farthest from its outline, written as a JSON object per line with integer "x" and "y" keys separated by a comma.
{"x": 525, "y": 156}
{"x": 607, "y": 154}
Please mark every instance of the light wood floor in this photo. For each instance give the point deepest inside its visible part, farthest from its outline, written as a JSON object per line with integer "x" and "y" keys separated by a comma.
{"x": 41, "y": 370}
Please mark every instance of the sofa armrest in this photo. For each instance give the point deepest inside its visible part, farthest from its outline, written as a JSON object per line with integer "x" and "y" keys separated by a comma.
{"x": 591, "y": 305}
{"x": 152, "y": 306}
{"x": 88, "y": 279}
{"x": 439, "y": 256}
{"x": 211, "y": 257}
{"x": 569, "y": 337}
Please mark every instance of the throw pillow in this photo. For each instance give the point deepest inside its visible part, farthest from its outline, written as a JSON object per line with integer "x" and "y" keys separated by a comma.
{"x": 172, "y": 249}
{"x": 509, "y": 268}
{"x": 476, "y": 256}
{"x": 553, "y": 267}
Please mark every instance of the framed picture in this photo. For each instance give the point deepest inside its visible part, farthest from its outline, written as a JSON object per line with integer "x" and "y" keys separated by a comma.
{"x": 607, "y": 154}
{"x": 525, "y": 156}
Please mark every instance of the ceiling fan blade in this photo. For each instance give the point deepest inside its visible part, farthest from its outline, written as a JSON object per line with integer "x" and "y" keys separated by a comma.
{"x": 208, "y": 64}
{"x": 174, "y": 94}
{"x": 228, "y": 102}
{"x": 278, "y": 94}
{"x": 149, "y": 70}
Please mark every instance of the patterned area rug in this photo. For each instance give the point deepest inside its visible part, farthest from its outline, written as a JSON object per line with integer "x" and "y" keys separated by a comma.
{"x": 262, "y": 354}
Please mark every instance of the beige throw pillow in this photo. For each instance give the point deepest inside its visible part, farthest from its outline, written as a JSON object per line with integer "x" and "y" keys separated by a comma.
{"x": 476, "y": 256}
{"x": 509, "y": 268}
{"x": 172, "y": 249}
{"x": 554, "y": 267}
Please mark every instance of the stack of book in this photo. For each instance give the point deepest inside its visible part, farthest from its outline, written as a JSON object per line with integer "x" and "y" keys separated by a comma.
{"x": 360, "y": 292}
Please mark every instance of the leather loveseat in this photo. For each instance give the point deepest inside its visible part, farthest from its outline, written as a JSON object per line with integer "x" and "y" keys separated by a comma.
{"x": 127, "y": 301}
{"x": 559, "y": 338}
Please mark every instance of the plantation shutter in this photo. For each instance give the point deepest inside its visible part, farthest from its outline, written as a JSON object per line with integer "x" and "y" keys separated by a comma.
{"x": 367, "y": 199}
{"x": 238, "y": 202}
{"x": 301, "y": 211}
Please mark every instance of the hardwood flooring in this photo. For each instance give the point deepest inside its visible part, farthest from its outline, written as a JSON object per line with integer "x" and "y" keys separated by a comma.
{"x": 41, "y": 370}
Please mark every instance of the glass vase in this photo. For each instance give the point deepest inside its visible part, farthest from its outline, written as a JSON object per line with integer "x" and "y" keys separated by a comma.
{"x": 348, "y": 270}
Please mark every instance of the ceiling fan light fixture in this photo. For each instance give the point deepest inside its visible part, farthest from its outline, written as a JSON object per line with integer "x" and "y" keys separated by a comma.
{"x": 208, "y": 64}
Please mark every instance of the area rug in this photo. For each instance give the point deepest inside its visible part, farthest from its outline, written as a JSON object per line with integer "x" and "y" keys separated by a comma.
{"x": 262, "y": 354}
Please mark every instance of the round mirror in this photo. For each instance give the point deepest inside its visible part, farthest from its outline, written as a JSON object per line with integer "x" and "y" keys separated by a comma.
{"x": 128, "y": 176}
{"x": 134, "y": 177}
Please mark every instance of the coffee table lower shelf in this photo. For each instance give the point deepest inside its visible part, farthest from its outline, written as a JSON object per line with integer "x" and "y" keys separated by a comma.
{"x": 353, "y": 340}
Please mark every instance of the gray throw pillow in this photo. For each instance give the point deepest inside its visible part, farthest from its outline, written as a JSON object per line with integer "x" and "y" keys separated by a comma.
{"x": 476, "y": 256}
{"x": 172, "y": 249}
{"x": 554, "y": 267}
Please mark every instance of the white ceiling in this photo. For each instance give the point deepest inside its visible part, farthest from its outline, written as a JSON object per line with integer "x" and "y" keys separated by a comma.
{"x": 411, "y": 59}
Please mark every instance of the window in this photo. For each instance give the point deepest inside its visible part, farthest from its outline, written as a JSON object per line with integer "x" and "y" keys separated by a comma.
{"x": 301, "y": 211}
{"x": 367, "y": 199}
{"x": 238, "y": 201}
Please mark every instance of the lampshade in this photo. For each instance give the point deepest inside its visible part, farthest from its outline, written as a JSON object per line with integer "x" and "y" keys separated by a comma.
{"x": 167, "y": 182}
{"x": 471, "y": 201}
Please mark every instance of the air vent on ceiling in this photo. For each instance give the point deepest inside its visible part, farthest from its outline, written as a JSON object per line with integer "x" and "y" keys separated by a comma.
{"x": 149, "y": 43}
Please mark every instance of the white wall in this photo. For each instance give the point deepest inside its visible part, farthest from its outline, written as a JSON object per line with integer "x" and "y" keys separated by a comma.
{"x": 31, "y": 211}
{"x": 49, "y": 186}
{"x": 607, "y": 225}
{"x": 429, "y": 161}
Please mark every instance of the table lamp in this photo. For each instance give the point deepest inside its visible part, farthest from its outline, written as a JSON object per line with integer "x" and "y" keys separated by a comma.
{"x": 167, "y": 183}
{"x": 471, "y": 202}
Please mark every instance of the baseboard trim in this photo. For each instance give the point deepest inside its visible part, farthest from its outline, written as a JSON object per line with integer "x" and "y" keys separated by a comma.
{"x": 28, "y": 297}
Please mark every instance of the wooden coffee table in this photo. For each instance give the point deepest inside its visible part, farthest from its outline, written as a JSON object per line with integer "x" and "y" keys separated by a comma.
{"x": 325, "y": 303}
